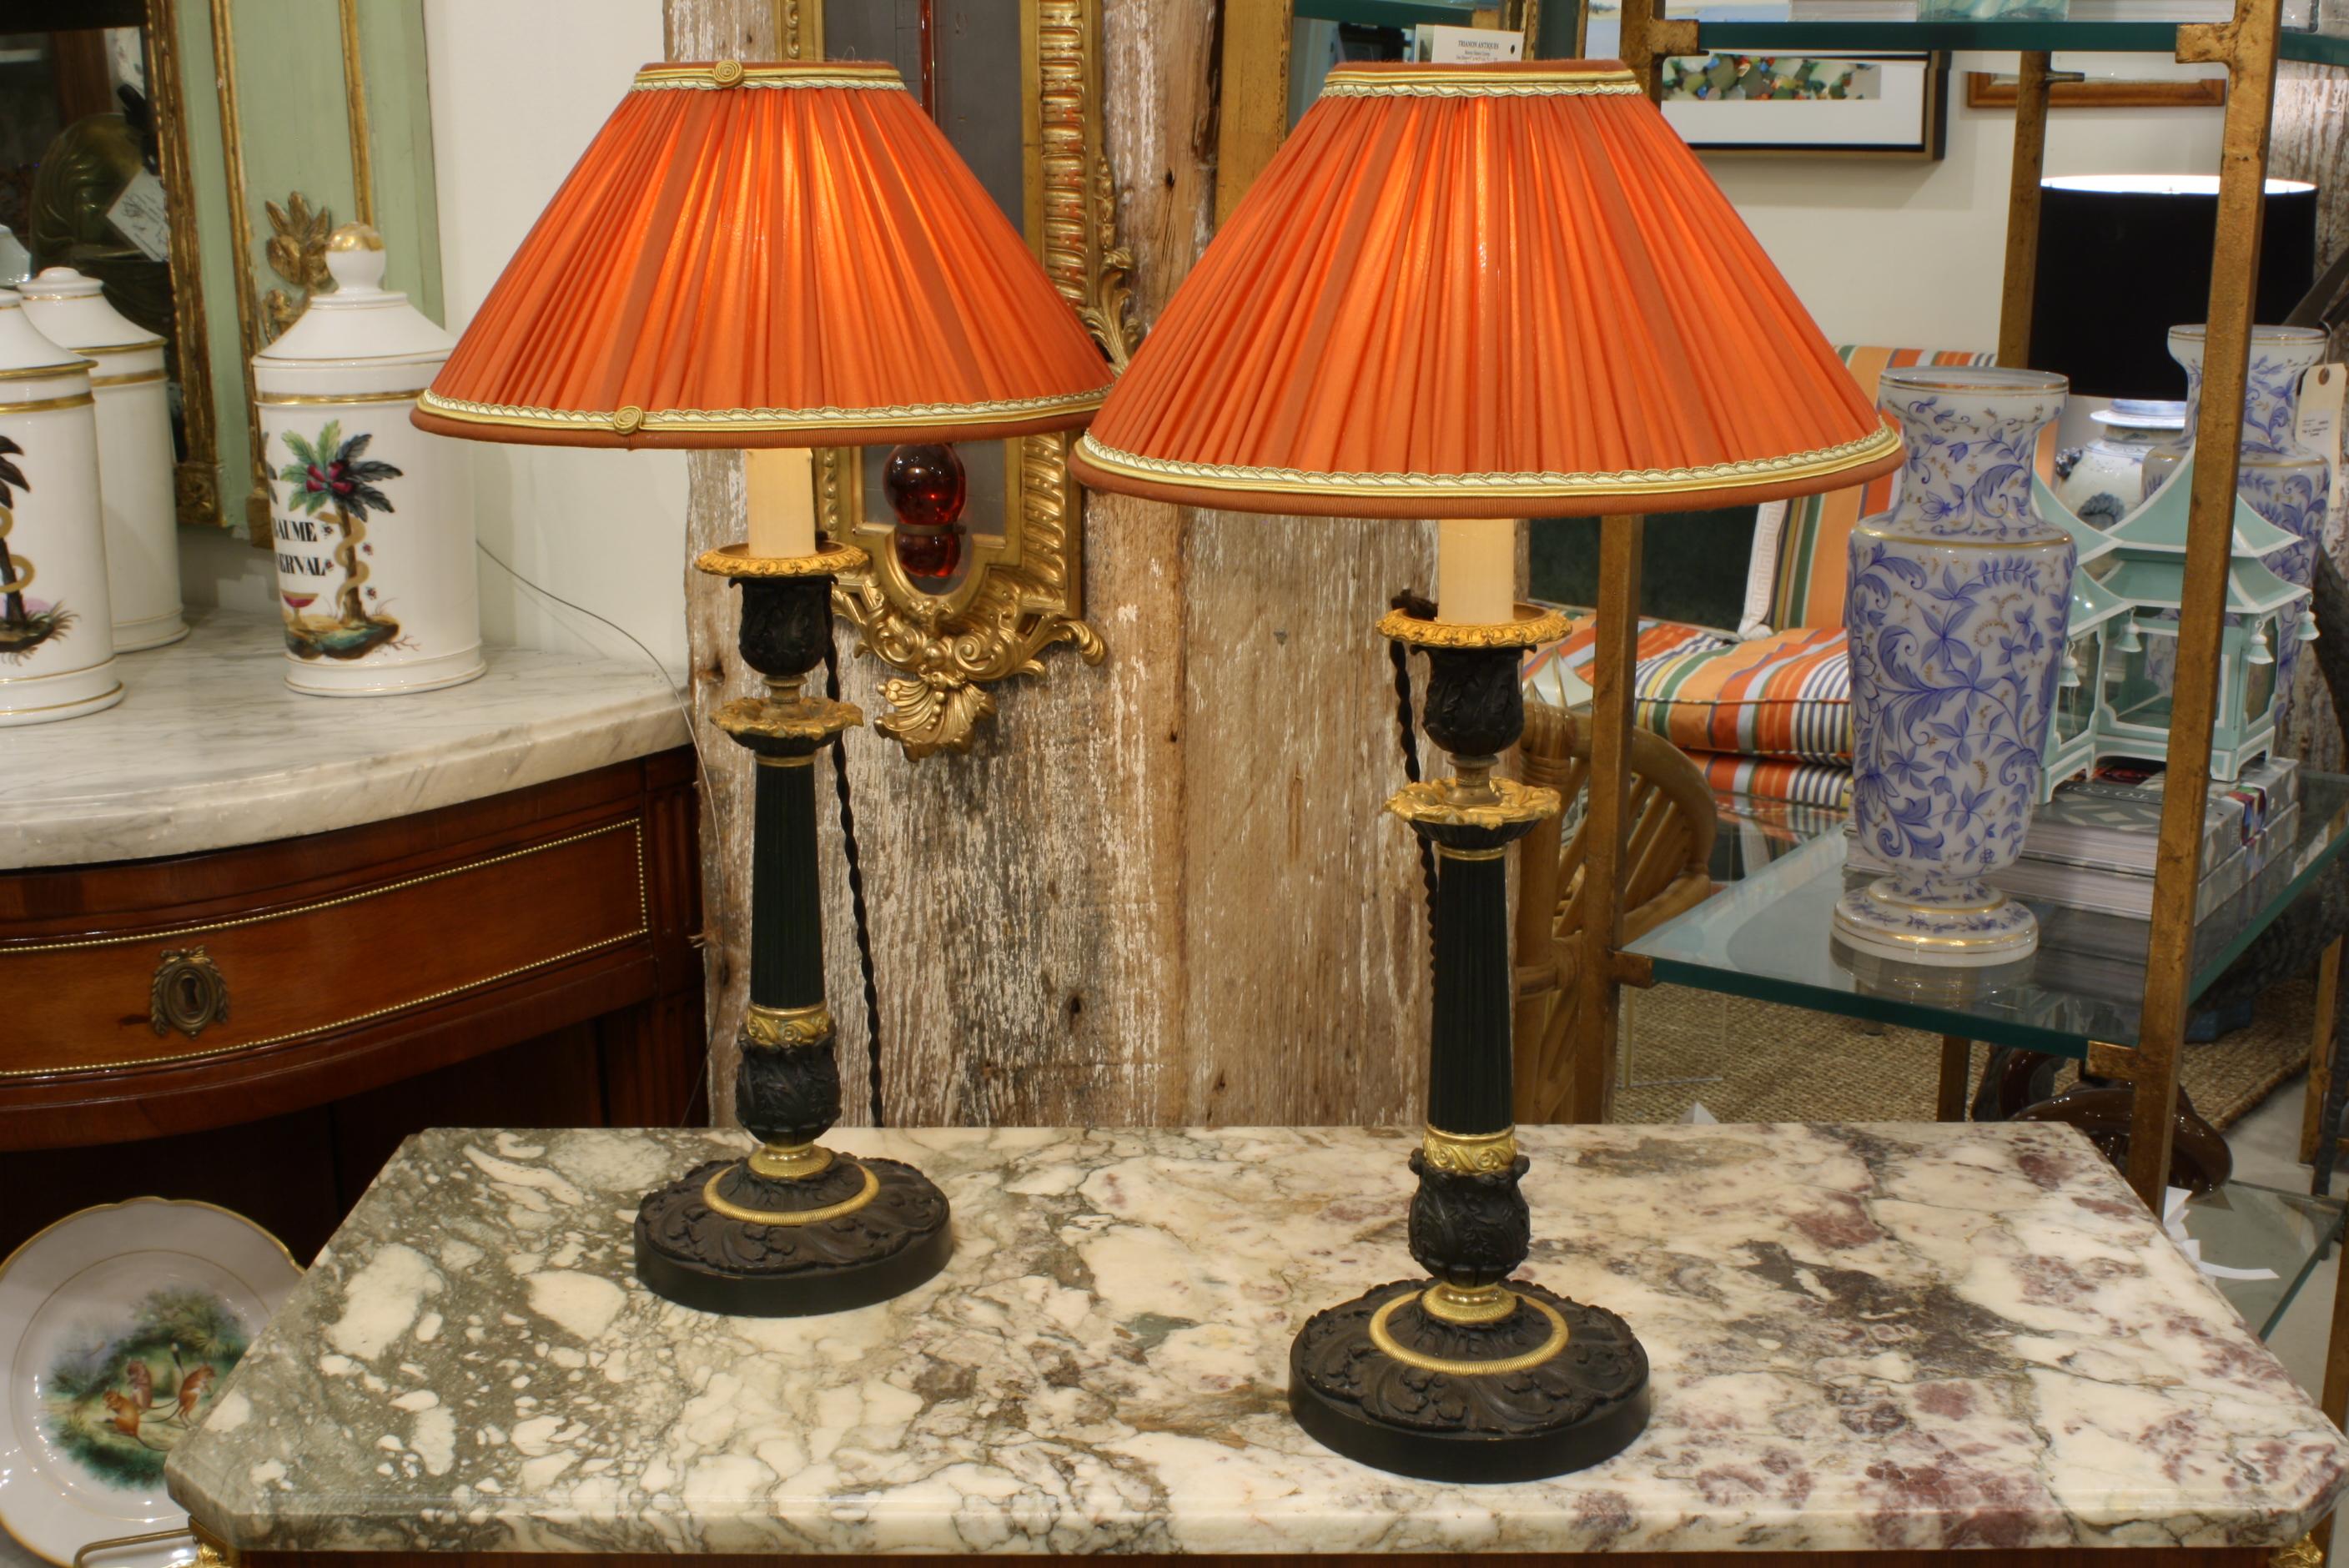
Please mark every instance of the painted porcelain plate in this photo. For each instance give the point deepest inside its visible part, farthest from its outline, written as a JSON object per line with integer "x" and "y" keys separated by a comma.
{"x": 117, "y": 1326}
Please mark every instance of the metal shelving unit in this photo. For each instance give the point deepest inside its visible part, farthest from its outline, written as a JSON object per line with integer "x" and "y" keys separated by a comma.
{"x": 2249, "y": 46}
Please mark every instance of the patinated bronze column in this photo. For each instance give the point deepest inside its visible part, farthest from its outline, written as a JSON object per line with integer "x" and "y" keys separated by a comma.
{"x": 794, "y": 1228}
{"x": 1464, "y": 1376}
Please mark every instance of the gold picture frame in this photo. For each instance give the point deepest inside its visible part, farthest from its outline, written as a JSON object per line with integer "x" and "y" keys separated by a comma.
{"x": 1254, "y": 118}
{"x": 1996, "y": 89}
{"x": 1022, "y": 593}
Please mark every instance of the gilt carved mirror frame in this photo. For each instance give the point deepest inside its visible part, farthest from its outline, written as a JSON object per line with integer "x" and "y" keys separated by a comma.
{"x": 1255, "y": 113}
{"x": 1021, "y": 592}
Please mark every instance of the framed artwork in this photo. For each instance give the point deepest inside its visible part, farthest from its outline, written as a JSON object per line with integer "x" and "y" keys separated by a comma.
{"x": 1874, "y": 106}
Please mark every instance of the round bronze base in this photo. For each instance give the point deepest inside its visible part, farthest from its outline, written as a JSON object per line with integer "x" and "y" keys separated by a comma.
{"x": 1554, "y": 1387}
{"x": 723, "y": 1239}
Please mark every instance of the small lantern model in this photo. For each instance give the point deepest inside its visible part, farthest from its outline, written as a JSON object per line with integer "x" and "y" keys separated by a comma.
{"x": 2262, "y": 610}
{"x": 2071, "y": 746}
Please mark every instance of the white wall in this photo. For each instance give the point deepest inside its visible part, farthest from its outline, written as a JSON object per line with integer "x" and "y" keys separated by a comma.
{"x": 519, "y": 88}
{"x": 1911, "y": 255}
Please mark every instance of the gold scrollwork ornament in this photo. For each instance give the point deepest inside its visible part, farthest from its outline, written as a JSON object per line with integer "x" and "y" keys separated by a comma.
{"x": 947, "y": 657}
{"x": 297, "y": 253}
{"x": 945, "y": 652}
{"x": 1470, "y": 1153}
{"x": 787, "y": 1028}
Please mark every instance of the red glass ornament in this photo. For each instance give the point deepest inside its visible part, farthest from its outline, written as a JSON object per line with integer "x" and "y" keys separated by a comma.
{"x": 926, "y": 487}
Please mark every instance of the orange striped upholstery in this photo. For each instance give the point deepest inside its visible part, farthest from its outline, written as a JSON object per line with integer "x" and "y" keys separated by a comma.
{"x": 1787, "y": 694}
{"x": 1741, "y": 778}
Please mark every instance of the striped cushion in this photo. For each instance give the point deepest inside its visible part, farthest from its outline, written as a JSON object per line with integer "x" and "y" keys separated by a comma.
{"x": 1797, "y": 568}
{"x": 1819, "y": 784}
{"x": 1786, "y": 694}
{"x": 1559, "y": 673}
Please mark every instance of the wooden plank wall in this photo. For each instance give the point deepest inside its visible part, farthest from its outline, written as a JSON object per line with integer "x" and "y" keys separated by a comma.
{"x": 1160, "y": 890}
{"x": 713, "y": 30}
{"x": 2311, "y": 141}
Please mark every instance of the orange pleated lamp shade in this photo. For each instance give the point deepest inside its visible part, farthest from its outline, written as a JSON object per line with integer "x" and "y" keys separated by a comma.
{"x": 1488, "y": 291}
{"x": 768, "y": 256}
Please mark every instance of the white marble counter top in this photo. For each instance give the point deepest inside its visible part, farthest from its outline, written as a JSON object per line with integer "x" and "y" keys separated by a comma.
{"x": 209, "y": 748}
{"x": 1862, "y": 1337}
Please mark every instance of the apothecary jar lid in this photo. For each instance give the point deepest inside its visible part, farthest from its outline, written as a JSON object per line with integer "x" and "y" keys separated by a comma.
{"x": 72, "y": 310}
{"x": 25, "y": 350}
{"x": 358, "y": 337}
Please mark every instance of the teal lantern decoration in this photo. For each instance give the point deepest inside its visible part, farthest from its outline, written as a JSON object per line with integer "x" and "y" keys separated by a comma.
{"x": 2070, "y": 748}
{"x": 2148, "y": 571}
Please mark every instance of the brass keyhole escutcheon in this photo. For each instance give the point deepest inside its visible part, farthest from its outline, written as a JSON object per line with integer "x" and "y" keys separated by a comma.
{"x": 188, "y": 993}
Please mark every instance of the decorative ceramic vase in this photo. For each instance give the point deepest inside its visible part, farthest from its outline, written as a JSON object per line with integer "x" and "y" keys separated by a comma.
{"x": 134, "y": 452}
{"x": 372, "y": 518}
{"x": 57, "y": 643}
{"x": 1956, "y": 611}
{"x": 2283, "y": 481}
{"x": 2103, "y": 481}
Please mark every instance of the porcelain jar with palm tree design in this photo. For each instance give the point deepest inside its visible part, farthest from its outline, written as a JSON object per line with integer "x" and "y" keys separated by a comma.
{"x": 1956, "y": 610}
{"x": 57, "y": 631}
{"x": 372, "y": 518}
{"x": 2285, "y": 482}
{"x": 137, "y": 492}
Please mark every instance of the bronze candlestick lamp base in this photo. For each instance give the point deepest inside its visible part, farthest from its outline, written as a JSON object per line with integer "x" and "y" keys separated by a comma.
{"x": 794, "y": 1228}
{"x": 1466, "y": 1376}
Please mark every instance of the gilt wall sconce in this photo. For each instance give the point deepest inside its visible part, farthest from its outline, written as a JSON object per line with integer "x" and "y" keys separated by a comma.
{"x": 981, "y": 569}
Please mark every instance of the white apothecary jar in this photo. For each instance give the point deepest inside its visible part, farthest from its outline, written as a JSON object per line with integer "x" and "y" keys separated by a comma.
{"x": 372, "y": 520}
{"x": 134, "y": 451}
{"x": 56, "y": 642}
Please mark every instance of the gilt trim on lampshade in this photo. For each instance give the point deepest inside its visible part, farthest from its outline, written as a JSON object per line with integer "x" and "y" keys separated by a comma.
{"x": 755, "y": 255}
{"x": 1484, "y": 291}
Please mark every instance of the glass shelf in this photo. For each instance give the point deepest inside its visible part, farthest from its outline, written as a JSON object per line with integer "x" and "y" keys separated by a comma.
{"x": 2246, "y": 1226}
{"x": 2012, "y": 37}
{"x": 1766, "y": 936}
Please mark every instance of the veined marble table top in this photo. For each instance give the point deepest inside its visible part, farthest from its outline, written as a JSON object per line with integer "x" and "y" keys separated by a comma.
{"x": 209, "y": 748}
{"x": 1863, "y": 1338}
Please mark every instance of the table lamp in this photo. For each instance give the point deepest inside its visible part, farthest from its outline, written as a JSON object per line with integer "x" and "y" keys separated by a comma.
{"x": 1479, "y": 294}
{"x": 776, "y": 257}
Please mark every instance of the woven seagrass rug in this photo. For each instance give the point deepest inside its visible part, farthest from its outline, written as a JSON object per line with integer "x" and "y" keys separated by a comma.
{"x": 1757, "y": 1061}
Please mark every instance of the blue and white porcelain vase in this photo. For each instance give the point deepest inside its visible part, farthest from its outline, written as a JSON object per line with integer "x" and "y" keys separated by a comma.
{"x": 2103, "y": 481}
{"x": 2285, "y": 482}
{"x": 1957, "y": 608}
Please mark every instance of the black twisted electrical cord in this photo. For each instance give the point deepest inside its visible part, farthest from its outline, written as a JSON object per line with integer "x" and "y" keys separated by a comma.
{"x": 1411, "y": 604}
{"x": 856, "y": 897}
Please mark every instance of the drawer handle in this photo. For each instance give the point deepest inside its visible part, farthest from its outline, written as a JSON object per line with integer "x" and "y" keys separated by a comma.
{"x": 188, "y": 993}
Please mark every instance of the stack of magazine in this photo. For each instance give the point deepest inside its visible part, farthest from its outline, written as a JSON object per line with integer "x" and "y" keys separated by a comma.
{"x": 2093, "y": 846}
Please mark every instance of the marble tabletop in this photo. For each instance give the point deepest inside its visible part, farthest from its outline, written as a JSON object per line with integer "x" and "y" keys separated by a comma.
{"x": 1863, "y": 1338}
{"x": 209, "y": 748}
